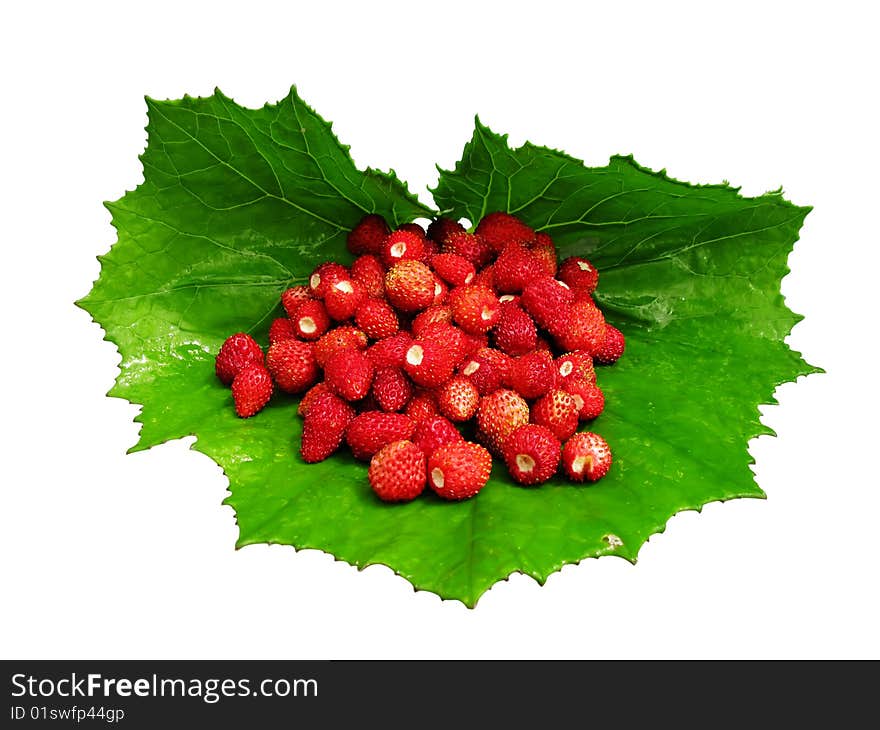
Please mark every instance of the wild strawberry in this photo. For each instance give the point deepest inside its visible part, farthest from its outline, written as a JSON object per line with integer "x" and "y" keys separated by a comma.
{"x": 391, "y": 389}
{"x": 413, "y": 228}
{"x": 469, "y": 246}
{"x": 577, "y": 364}
{"x": 371, "y": 430}
{"x": 487, "y": 369}
{"x": 292, "y": 298}
{"x": 532, "y": 375}
{"x": 474, "y": 308}
{"x": 310, "y": 396}
{"x": 545, "y": 299}
{"x": 428, "y": 363}
{"x": 515, "y": 268}
{"x": 586, "y": 456}
{"x": 557, "y": 411}
{"x": 459, "y": 469}
{"x": 251, "y": 390}
{"x": 430, "y": 316}
{"x": 431, "y": 249}
{"x": 409, "y": 286}
{"x": 367, "y": 236}
{"x": 338, "y": 339}
{"x": 390, "y": 351}
{"x": 449, "y": 337}
{"x": 349, "y": 374}
{"x": 458, "y": 399}
{"x": 588, "y": 397}
{"x": 281, "y": 329}
{"x": 440, "y": 228}
{"x": 498, "y": 229}
{"x": 432, "y": 433}
{"x": 579, "y": 273}
{"x": 376, "y": 318}
{"x": 453, "y": 269}
{"x": 343, "y": 297}
{"x": 532, "y": 454}
{"x": 325, "y": 275}
{"x": 612, "y": 346}
{"x": 544, "y": 250}
{"x": 498, "y": 415}
{"x": 581, "y": 328}
{"x": 397, "y": 472}
{"x": 515, "y": 332}
{"x": 292, "y": 364}
{"x": 311, "y": 320}
{"x": 441, "y": 292}
{"x": 486, "y": 277}
{"x": 422, "y": 406}
{"x": 324, "y": 427}
{"x": 368, "y": 270}
{"x": 236, "y": 353}
{"x": 402, "y": 246}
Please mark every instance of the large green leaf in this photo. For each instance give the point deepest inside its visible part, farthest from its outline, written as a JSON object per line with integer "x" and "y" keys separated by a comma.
{"x": 237, "y": 204}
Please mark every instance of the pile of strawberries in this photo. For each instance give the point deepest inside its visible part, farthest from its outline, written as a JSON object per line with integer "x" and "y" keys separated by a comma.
{"x": 430, "y": 330}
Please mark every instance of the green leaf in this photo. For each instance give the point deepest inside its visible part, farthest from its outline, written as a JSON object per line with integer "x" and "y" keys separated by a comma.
{"x": 238, "y": 204}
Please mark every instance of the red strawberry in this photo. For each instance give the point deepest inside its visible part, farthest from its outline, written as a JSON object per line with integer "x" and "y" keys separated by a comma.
{"x": 338, "y": 339}
{"x": 474, "y": 308}
{"x": 349, "y": 374}
{"x": 557, "y": 411}
{"x": 292, "y": 298}
{"x": 545, "y": 251}
{"x": 422, "y": 406}
{"x": 402, "y": 246}
{"x": 281, "y": 329}
{"x": 612, "y": 346}
{"x": 292, "y": 364}
{"x": 458, "y": 399}
{"x": 430, "y": 316}
{"x": 582, "y": 328}
{"x": 324, "y": 427}
{"x": 310, "y": 396}
{"x": 311, "y": 320}
{"x": 586, "y": 456}
{"x": 368, "y": 270}
{"x": 343, "y": 297}
{"x": 368, "y": 235}
{"x": 577, "y": 364}
{"x": 409, "y": 286}
{"x": 371, "y": 430}
{"x": 440, "y": 228}
{"x": 459, "y": 469}
{"x": 432, "y": 433}
{"x": 391, "y": 389}
{"x": 515, "y": 333}
{"x": 451, "y": 338}
{"x": 579, "y": 273}
{"x": 453, "y": 269}
{"x": 498, "y": 229}
{"x": 469, "y": 246}
{"x": 487, "y": 369}
{"x": 390, "y": 351}
{"x": 251, "y": 390}
{"x": 236, "y": 353}
{"x": 546, "y": 299}
{"x": 397, "y": 472}
{"x": 413, "y": 228}
{"x": 588, "y": 398}
{"x": 428, "y": 363}
{"x": 532, "y": 375}
{"x": 325, "y": 275}
{"x": 376, "y": 318}
{"x": 532, "y": 454}
{"x": 498, "y": 415}
{"x": 515, "y": 268}
{"x": 441, "y": 292}
{"x": 486, "y": 277}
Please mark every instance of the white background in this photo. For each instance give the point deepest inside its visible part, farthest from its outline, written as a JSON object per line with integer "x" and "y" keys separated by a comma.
{"x": 112, "y": 556}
